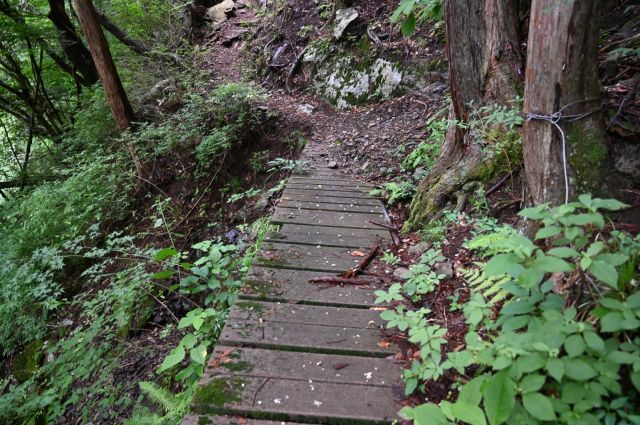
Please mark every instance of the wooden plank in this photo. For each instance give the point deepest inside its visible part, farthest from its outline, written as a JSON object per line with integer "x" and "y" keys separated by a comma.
{"x": 326, "y": 219}
{"x": 330, "y": 193}
{"x": 328, "y": 236}
{"x": 327, "y": 186}
{"x": 316, "y": 367}
{"x": 276, "y": 312}
{"x": 229, "y": 420}
{"x": 324, "y": 206}
{"x": 304, "y": 337}
{"x": 306, "y": 257}
{"x": 310, "y": 197}
{"x": 284, "y": 399}
{"x": 292, "y": 286}
{"x": 335, "y": 181}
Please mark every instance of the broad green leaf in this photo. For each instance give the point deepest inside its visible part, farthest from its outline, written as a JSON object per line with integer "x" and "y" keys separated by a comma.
{"x": 574, "y": 345}
{"x": 468, "y": 413}
{"x": 563, "y": 252}
{"x": 547, "y": 232}
{"x": 620, "y": 357}
{"x": 165, "y": 253}
{"x": 613, "y": 259}
{"x": 188, "y": 341}
{"x": 609, "y": 204}
{"x": 594, "y": 341}
{"x": 531, "y": 383}
{"x": 425, "y": 414}
{"x": 634, "y": 300}
{"x": 199, "y": 353}
{"x": 552, "y": 264}
{"x": 539, "y": 406}
{"x": 533, "y": 213}
{"x": 174, "y": 358}
{"x": 584, "y": 219}
{"x": 163, "y": 274}
{"x": 503, "y": 264}
{"x": 470, "y": 392}
{"x": 555, "y": 367}
{"x": 605, "y": 273}
{"x": 611, "y": 322}
{"x": 499, "y": 398}
{"x": 578, "y": 369}
{"x": 409, "y": 25}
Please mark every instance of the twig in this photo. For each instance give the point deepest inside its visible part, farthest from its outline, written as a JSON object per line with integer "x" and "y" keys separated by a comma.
{"x": 498, "y": 185}
{"x": 395, "y": 236}
{"x": 363, "y": 264}
{"x": 339, "y": 280}
{"x": 386, "y": 226}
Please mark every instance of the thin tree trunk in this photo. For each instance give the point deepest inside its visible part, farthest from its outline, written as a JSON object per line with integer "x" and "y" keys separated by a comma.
{"x": 120, "y": 106}
{"x": 484, "y": 69}
{"x": 121, "y": 35}
{"x": 562, "y": 78}
{"x": 71, "y": 44}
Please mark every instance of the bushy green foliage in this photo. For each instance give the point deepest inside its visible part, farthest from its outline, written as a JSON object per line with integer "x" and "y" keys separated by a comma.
{"x": 174, "y": 406}
{"x": 414, "y": 12}
{"x": 212, "y": 145}
{"x": 565, "y": 348}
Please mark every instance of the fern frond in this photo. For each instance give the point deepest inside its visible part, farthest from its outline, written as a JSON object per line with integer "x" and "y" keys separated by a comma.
{"x": 489, "y": 287}
{"x": 491, "y": 243}
{"x": 161, "y": 397}
{"x": 143, "y": 418}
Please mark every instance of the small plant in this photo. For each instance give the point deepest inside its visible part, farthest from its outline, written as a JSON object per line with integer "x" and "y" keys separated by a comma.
{"x": 395, "y": 192}
{"x": 417, "y": 11}
{"x": 283, "y": 164}
{"x": 390, "y": 258}
{"x": 251, "y": 193}
{"x": 174, "y": 406}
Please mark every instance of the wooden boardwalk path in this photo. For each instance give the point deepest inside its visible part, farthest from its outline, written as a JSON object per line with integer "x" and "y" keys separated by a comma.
{"x": 293, "y": 352}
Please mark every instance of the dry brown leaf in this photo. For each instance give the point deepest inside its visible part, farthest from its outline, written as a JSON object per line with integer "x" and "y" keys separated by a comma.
{"x": 339, "y": 366}
{"x": 357, "y": 253}
{"x": 383, "y": 344}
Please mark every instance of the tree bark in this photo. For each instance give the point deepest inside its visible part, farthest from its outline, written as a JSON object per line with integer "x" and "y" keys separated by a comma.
{"x": 484, "y": 69}
{"x": 562, "y": 77}
{"x": 117, "y": 97}
{"x": 71, "y": 44}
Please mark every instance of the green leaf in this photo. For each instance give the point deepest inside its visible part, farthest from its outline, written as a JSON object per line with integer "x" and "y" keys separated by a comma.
{"x": 584, "y": 219}
{"x": 174, "y": 358}
{"x": 611, "y": 322}
{"x": 503, "y": 264}
{"x": 425, "y": 414}
{"x": 188, "y": 341}
{"x": 563, "y": 252}
{"x": 594, "y": 341}
{"x": 555, "y": 367}
{"x": 534, "y": 213}
{"x": 409, "y": 25}
{"x": 470, "y": 392}
{"x": 605, "y": 273}
{"x": 165, "y": 253}
{"x": 531, "y": 383}
{"x": 634, "y": 300}
{"x": 468, "y": 413}
{"x": 608, "y": 204}
{"x": 199, "y": 353}
{"x": 552, "y": 264}
{"x": 499, "y": 398}
{"x": 539, "y": 406}
{"x": 163, "y": 274}
{"x": 613, "y": 259}
{"x": 578, "y": 369}
{"x": 620, "y": 357}
{"x": 574, "y": 345}
{"x": 547, "y": 232}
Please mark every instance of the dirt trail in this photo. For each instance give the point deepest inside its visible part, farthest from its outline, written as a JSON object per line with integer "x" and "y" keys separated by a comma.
{"x": 363, "y": 140}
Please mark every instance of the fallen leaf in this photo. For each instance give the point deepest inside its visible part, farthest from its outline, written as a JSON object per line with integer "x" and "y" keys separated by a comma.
{"x": 383, "y": 344}
{"x": 379, "y": 308}
{"x": 357, "y": 253}
{"x": 339, "y": 366}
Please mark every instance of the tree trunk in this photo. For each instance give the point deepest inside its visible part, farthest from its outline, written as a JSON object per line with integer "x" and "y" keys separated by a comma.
{"x": 120, "y": 106}
{"x": 484, "y": 69}
{"x": 562, "y": 78}
{"x": 71, "y": 44}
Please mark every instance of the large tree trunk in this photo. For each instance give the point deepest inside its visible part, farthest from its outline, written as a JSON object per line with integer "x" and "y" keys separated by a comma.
{"x": 562, "y": 78}
{"x": 71, "y": 44}
{"x": 118, "y": 101}
{"x": 484, "y": 69}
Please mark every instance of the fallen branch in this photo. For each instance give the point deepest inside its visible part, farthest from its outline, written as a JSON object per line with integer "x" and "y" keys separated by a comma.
{"x": 339, "y": 281}
{"x": 294, "y": 68}
{"x": 386, "y": 226}
{"x": 498, "y": 185}
{"x": 363, "y": 264}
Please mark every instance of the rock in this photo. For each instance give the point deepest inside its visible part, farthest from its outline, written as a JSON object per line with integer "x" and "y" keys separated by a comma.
{"x": 419, "y": 249}
{"x": 402, "y": 273}
{"x": 240, "y": 4}
{"x": 364, "y": 166}
{"x": 445, "y": 268}
{"x": 332, "y": 164}
{"x": 218, "y": 13}
{"x": 306, "y": 109}
{"x": 25, "y": 364}
{"x": 343, "y": 18}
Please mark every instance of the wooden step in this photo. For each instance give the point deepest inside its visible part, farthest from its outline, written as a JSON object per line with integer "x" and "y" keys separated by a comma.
{"x": 327, "y": 218}
{"x": 325, "y": 206}
{"x": 292, "y": 286}
{"x": 329, "y": 236}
